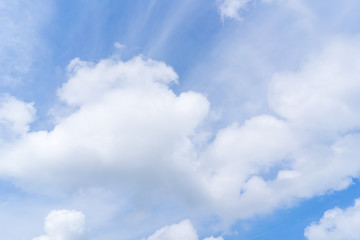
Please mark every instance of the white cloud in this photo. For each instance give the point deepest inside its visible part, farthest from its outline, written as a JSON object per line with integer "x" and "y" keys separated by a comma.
{"x": 130, "y": 128}
{"x": 336, "y": 224}
{"x": 183, "y": 230}
{"x": 323, "y": 96}
{"x": 238, "y": 154}
{"x": 269, "y": 162}
{"x": 231, "y": 8}
{"x": 119, "y": 45}
{"x": 179, "y": 231}
{"x": 64, "y": 225}
{"x": 15, "y": 116}
{"x": 130, "y": 132}
{"x": 89, "y": 83}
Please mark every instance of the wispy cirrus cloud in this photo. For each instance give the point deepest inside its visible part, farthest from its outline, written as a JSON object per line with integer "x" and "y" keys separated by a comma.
{"x": 20, "y": 38}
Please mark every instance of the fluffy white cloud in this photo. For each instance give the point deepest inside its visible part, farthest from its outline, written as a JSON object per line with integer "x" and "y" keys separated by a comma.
{"x": 336, "y": 224}
{"x": 323, "y": 96}
{"x": 180, "y": 231}
{"x": 64, "y": 225}
{"x": 89, "y": 83}
{"x": 131, "y": 133}
{"x": 15, "y": 116}
{"x": 240, "y": 152}
{"x": 269, "y": 162}
{"x": 128, "y": 128}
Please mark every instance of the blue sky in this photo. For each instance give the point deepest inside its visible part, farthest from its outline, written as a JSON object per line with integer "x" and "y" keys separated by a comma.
{"x": 169, "y": 120}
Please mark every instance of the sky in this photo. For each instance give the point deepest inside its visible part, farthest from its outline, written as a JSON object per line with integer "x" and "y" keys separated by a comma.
{"x": 179, "y": 120}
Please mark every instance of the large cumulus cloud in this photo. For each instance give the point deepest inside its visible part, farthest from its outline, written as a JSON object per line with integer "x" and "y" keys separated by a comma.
{"x": 127, "y": 126}
{"x": 130, "y": 132}
{"x": 307, "y": 147}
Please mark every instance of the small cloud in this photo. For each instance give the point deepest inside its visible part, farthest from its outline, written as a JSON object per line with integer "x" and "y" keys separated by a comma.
{"x": 64, "y": 225}
{"x": 15, "y": 116}
{"x": 231, "y": 8}
{"x": 183, "y": 230}
{"x": 119, "y": 45}
{"x": 336, "y": 224}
